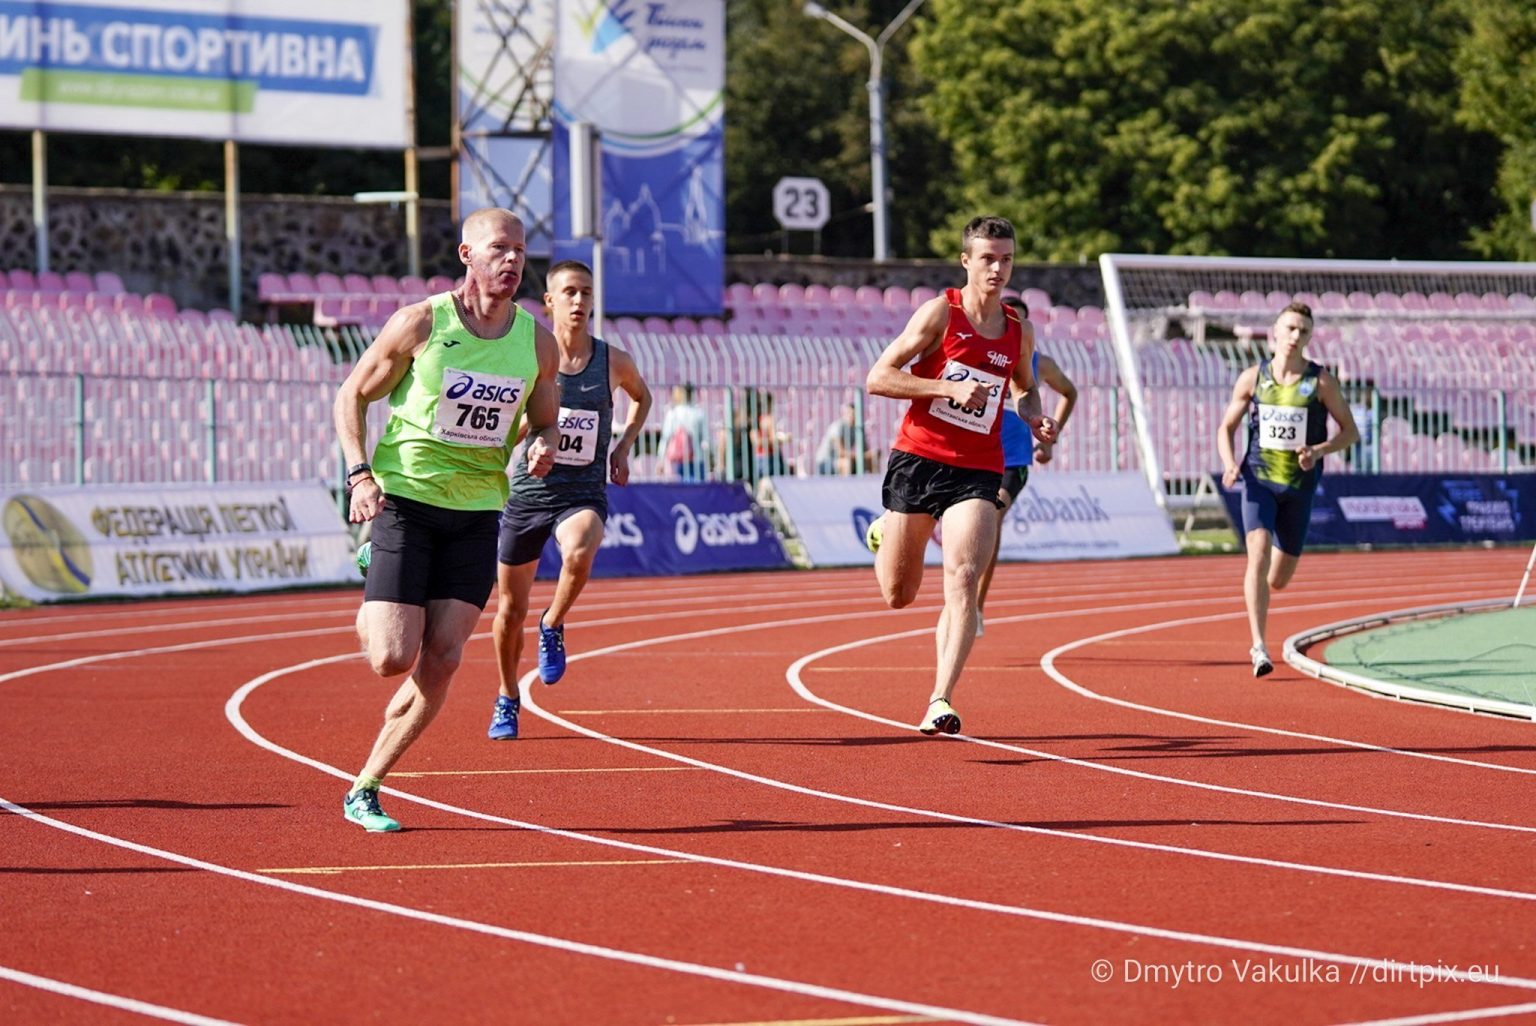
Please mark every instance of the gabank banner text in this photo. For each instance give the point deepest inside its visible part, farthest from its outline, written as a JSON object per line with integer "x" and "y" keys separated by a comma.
{"x": 305, "y": 72}
{"x": 656, "y": 530}
{"x": 170, "y": 539}
{"x": 1411, "y": 509}
{"x": 1057, "y": 516}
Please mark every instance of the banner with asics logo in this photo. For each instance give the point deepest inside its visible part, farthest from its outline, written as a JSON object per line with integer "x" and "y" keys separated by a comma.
{"x": 656, "y": 530}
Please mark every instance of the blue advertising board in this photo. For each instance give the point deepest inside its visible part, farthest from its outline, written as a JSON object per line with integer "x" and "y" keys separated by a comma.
{"x": 656, "y": 530}
{"x": 1414, "y": 509}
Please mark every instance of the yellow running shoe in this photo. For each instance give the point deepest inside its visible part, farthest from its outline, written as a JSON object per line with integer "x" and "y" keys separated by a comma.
{"x": 873, "y": 533}
{"x": 941, "y": 719}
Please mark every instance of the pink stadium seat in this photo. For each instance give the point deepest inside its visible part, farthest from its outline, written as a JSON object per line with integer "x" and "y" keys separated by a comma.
{"x": 219, "y": 314}
{"x": 71, "y": 299}
{"x": 159, "y": 305}
{"x": 385, "y": 285}
{"x": 1277, "y": 301}
{"x": 765, "y": 292}
{"x": 301, "y": 286}
{"x": 355, "y": 284}
{"x": 1253, "y": 301}
{"x": 657, "y": 325}
{"x": 50, "y": 281}
{"x": 108, "y": 283}
{"x": 328, "y": 311}
{"x": 130, "y": 304}
{"x": 99, "y": 301}
{"x": 738, "y": 293}
{"x": 196, "y": 318}
{"x": 1415, "y": 301}
{"x": 78, "y": 281}
{"x": 868, "y": 296}
{"x": 23, "y": 279}
{"x": 791, "y": 294}
{"x": 328, "y": 284}
{"x": 712, "y": 326}
{"x": 1389, "y": 302}
{"x": 1495, "y": 301}
{"x": 1442, "y": 301}
{"x": 1036, "y": 297}
{"x": 922, "y": 294}
{"x": 685, "y": 326}
{"x": 413, "y": 285}
{"x": 898, "y": 298}
{"x": 440, "y": 283}
{"x": 627, "y": 326}
{"x": 271, "y": 287}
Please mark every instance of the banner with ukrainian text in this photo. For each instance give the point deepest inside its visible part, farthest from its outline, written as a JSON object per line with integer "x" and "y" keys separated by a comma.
{"x": 650, "y": 76}
{"x": 301, "y": 72}
{"x": 123, "y": 540}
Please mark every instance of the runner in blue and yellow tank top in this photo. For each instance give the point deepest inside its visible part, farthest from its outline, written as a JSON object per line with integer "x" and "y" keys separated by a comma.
{"x": 461, "y": 371}
{"x": 1287, "y": 401}
{"x": 570, "y": 503}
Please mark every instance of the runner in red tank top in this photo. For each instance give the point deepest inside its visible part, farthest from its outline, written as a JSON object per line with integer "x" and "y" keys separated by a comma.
{"x": 947, "y": 461}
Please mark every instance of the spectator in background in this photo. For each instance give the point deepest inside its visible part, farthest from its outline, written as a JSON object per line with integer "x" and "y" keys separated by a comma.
{"x": 769, "y": 441}
{"x": 840, "y": 447}
{"x": 684, "y": 430}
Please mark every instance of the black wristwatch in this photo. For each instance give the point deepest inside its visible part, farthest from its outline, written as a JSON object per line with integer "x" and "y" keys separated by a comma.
{"x": 356, "y": 469}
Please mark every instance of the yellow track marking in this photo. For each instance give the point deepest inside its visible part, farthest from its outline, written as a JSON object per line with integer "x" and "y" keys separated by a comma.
{"x": 332, "y": 870}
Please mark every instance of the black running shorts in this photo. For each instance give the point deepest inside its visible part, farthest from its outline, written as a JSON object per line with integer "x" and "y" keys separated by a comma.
{"x": 423, "y": 552}
{"x": 916, "y": 484}
{"x": 1014, "y": 480}
{"x": 524, "y": 531}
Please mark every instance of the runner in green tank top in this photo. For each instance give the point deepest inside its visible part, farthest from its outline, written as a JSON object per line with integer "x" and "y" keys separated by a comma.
{"x": 1288, "y": 400}
{"x": 461, "y": 370}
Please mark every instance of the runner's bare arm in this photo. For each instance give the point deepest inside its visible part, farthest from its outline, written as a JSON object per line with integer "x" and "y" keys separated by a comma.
{"x": 623, "y": 374}
{"x": 543, "y": 412}
{"x": 1242, "y": 392}
{"x": 923, "y": 333}
{"x": 1026, "y": 390}
{"x": 377, "y": 372}
{"x": 1332, "y": 395}
{"x": 1066, "y": 400}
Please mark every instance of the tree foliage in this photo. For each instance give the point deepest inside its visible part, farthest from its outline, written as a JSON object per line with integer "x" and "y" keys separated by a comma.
{"x": 1498, "y": 96}
{"x": 1285, "y": 127}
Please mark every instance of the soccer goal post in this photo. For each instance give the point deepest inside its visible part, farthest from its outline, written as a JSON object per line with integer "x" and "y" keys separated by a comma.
{"x": 1183, "y": 328}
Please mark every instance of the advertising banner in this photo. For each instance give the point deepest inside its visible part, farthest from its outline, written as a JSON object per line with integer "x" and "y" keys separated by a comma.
{"x": 656, "y": 530}
{"x": 1414, "y": 509}
{"x": 650, "y": 78}
{"x": 1057, "y": 516}
{"x": 505, "y": 102}
{"x": 127, "y": 540}
{"x": 302, "y": 72}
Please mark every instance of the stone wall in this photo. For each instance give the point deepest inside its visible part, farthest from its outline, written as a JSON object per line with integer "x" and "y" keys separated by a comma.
{"x": 173, "y": 242}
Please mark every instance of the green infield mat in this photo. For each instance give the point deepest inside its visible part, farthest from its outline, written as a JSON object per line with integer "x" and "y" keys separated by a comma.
{"x": 1488, "y": 655}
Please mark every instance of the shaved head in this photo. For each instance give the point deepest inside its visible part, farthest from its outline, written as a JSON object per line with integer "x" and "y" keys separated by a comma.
{"x": 485, "y": 221}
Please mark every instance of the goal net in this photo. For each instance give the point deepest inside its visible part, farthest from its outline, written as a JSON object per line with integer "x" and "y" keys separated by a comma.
{"x": 1436, "y": 359}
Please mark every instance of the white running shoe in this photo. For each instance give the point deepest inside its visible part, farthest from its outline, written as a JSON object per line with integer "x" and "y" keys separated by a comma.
{"x": 1261, "y": 663}
{"x": 981, "y": 624}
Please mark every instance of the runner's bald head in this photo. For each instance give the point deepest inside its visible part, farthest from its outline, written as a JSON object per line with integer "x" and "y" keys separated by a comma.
{"x": 486, "y": 221}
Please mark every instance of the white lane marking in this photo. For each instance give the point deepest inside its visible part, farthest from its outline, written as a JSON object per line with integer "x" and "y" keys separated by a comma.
{"x": 98, "y": 997}
{"x": 232, "y": 712}
{"x": 1468, "y": 1015}
{"x": 537, "y": 939}
{"x": 1048, "y": 664}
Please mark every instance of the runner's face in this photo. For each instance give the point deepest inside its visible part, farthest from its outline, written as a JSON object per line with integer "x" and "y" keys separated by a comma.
{"x": 495, "y": 257}
{"x": 1291, "y": 334}
{"x": 570, "y": 299}
{"x": 988, "y": 264}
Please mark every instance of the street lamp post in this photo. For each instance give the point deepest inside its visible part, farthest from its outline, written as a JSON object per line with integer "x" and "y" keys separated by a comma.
{"x": 876, "y": 47}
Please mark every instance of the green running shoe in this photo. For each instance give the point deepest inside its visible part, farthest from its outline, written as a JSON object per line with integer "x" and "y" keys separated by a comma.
{"x": 364, "y": 557}
{"x": 362, "y": 808}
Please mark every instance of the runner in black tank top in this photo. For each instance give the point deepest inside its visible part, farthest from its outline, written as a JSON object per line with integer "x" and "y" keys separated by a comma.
{"x": 571, "y": 502}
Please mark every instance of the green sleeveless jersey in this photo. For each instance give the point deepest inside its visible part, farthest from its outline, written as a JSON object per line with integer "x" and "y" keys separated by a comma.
{"x": 454, "y": 417}
{"x": 1281, "y": 420}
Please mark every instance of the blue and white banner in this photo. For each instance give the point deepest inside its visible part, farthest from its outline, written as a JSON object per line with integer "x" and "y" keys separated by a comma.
{"x": 650, "y": 77}
{"x": 504, "y": 95}
{"x": 657, "y": 530}
{"x": 303, "y": 72}
{"x": 1057, "y": 516}
{"x": 1412, "y": 509}
{"x": 169, "y": 539}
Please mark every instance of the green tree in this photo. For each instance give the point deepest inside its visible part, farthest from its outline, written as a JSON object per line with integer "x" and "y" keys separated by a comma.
{"x": 797, "y": 103}
{"x": 1498, "y": 96}
{"x": 1265, "y": 127}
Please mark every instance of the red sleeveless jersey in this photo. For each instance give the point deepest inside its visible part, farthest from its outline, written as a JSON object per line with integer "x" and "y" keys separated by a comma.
{"x": 940, "y": 430}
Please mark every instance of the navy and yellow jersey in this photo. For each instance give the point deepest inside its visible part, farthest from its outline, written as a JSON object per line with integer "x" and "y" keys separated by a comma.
{"x": 1282, "y": 419}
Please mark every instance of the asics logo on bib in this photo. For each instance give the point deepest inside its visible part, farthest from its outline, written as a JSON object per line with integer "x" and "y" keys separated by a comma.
{"x": 714, "y": 529}
{"x": 579, "y": 420}
{"x": 482, "y": 391}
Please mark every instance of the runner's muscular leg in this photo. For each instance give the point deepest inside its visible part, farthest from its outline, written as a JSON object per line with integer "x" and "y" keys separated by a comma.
{"x": 513, "y": 583}
{"x": 579, "y": 536}
{"x": 391, "y": 634}
{"x": 899, "y": 563}
{"x": 970, "y": 529}
{"x": 1256, "y": 584}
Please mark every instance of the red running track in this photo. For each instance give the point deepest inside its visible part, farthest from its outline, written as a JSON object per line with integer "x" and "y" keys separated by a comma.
{"x": 724, "y": 815}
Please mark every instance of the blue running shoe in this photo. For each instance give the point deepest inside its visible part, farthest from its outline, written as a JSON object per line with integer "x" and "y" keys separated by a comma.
{"x": 364, "y": 557}
{"x": 504, "y": 719}
{"x": 551, "y": 651}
